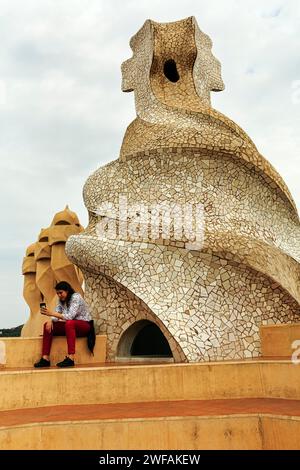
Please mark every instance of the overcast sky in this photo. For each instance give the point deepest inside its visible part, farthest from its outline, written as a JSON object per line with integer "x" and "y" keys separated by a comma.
{"x": 63, "y": 113}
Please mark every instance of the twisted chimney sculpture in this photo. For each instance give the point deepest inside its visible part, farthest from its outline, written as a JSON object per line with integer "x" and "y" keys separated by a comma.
{"x": 209, "y": 298}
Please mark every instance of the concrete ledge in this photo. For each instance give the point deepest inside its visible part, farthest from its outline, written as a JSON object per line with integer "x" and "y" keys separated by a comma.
{"x": 131, "y": 384}
{"x": 23, "y": 352}
{"x": 174, "y": 433}
{"x": 277, "y": 340}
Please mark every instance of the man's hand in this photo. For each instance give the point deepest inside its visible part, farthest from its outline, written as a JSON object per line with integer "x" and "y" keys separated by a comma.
{"x": 49, "y": 326}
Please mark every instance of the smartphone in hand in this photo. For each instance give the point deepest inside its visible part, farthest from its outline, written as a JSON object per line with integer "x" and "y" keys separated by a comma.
{"x": 42, "y": 305}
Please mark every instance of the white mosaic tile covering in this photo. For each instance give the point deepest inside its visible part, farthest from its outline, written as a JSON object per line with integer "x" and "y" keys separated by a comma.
{"x": 209, "y": 303}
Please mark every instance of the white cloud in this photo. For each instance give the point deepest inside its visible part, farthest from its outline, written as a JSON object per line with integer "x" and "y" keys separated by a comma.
{"x": 62, "y": 113}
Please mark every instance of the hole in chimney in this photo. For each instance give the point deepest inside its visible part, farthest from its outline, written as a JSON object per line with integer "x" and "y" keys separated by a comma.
{"x": 170, "y": 71}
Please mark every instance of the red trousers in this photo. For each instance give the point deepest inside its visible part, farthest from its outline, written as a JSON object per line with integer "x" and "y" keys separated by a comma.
{"x": 70, "y": 329}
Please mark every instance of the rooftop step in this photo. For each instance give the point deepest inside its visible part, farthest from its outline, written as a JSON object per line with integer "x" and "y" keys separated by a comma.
{"x": 103, "y": 384}
{"x": 206, "y": 424}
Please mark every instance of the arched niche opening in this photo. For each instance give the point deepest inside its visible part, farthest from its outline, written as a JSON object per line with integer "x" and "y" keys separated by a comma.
{"x": 144, "y": 340}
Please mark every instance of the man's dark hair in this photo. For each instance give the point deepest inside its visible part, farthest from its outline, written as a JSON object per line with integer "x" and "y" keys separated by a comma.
{"x": 63, "y": 285}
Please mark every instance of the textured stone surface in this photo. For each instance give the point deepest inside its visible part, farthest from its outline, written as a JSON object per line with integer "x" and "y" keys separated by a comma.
{"x": 45, "y": 264}
{"x": 210, "y": 302}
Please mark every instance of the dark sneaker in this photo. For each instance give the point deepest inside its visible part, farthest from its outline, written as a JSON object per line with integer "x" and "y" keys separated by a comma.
{"x": 42, "y": 363}
{"x": 67, "y": 362}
